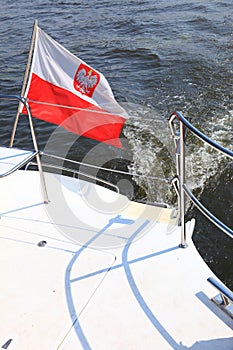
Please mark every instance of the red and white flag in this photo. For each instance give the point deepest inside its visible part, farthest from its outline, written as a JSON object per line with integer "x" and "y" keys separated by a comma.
{"x": 64, "y": 90}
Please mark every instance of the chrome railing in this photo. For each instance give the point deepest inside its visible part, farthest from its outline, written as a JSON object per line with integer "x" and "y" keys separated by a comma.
{"x": 224, "y": 300}
{"x": 182, "y": 188}
{"x": 85, "y": 174}
{"x": 74, "y": 173}
{"x": 22, "y": 101}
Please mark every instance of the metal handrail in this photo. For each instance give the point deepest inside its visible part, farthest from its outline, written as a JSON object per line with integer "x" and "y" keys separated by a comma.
{"x": 200, "y": 135}
{"x": 23, "y": 101}
{"x": 224, "y": 300}
{"x": 76, "y": 172}
{"x": 207, "y": 213}
{"x": 221, "y": 288}
{"x": 120, "y": 172}
{"x": 179, "y": 139}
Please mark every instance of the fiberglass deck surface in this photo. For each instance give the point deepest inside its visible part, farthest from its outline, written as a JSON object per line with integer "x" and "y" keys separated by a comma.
{"x": 100, "y": 278}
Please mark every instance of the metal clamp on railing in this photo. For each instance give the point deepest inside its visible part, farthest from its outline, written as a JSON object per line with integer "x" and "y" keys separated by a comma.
{"x": 224, "y": 300}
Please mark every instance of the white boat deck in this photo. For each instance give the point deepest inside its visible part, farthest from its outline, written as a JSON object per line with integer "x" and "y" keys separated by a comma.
{"x": 92, "y": 270}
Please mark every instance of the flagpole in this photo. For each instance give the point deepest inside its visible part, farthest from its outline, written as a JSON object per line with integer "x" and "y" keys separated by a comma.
{"x": 25, "y": 80}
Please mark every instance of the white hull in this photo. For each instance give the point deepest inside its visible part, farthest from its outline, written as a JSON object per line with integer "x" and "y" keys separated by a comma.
{"x": 95, "y": 283}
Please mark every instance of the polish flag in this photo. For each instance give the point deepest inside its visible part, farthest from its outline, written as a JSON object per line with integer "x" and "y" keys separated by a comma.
{"x": 64, "y": 90}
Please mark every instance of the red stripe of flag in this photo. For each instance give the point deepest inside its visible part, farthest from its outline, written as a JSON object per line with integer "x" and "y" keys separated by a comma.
{"x": 104, "y": 127}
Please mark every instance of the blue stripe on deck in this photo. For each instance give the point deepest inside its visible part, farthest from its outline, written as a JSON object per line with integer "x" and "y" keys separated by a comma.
{"x": 76, "y": 324}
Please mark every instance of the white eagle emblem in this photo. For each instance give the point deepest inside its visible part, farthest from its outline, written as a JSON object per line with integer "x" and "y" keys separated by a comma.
{"x": 86, "y": 80}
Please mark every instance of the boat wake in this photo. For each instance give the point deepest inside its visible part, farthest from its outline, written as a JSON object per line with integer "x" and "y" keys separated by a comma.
{"x": 153, "y": 152}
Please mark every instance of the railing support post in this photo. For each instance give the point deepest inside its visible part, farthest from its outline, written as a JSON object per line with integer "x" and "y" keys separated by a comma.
{"x": 181, "y": 188}
{"x": 181, "y": 184}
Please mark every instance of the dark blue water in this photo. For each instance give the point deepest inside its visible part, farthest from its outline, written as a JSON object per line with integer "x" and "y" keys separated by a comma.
{"x": 158, "y": 57}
